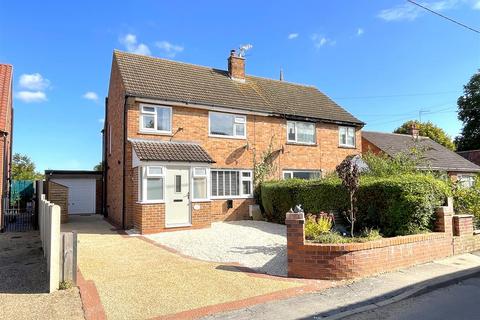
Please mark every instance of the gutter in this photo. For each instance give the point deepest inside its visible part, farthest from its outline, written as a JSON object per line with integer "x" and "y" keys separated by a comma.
{"x": 241, "y": 110}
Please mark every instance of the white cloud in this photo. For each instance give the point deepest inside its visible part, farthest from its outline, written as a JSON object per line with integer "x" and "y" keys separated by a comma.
{"x": 320, "y": 41}
{"x": 360, "y": 31}
{"x": 293, "y": 36}
{"x": 409, "y": 11}
{"x": 169, "y": 49}
{"x": 131, "y": 44}
{"x": 476, "y": 5}
{"x": 90, "y": 95}
{"x": 31, "y": 96}
{"x": 101, "y": 120}
{"x": 34, "y": 81}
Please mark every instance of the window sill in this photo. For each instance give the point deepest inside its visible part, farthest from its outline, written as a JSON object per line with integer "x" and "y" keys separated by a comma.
{"x": 347, "y": 147}
{"x": 234, "y": 197}
{"x": 200, "y": 200}
{"x": 150, "y": 202}
{"x": 227, "y": 137}
{"x": 156, "y": 133}
{"x": 302, "y": 144}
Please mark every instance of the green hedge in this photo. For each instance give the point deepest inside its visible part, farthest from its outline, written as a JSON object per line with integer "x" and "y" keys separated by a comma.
{"x": 399, "y": 205}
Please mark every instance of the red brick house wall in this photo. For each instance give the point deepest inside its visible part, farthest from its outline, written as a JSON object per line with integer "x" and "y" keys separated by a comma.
{"x": 6, "y": 125}
{"x": 227, "y": 153}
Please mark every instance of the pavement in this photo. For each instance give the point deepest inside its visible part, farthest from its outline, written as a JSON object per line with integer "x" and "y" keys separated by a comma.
{"x": 23, "y": 282}
{"x": 351, "y": 298}
{"x": 135, "y": 278}
{"x": 457, "y": 301}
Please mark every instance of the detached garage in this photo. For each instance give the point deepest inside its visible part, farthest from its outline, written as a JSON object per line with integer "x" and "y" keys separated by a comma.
{"x": 76, "y": 192}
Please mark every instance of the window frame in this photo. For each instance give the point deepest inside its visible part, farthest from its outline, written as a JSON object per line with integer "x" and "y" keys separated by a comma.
{"x": 234, "y": 115}
{"x": 241, "y": 179}
{"x": 200, "y": 176}
{"x": 469, "y": 176}
{"x": 294, "y": 122}
{"x": 143, "y": 176}
{"x": 155, "y": 117}
{"x": 291, "y": 173}
{"x": 346, "y": 145}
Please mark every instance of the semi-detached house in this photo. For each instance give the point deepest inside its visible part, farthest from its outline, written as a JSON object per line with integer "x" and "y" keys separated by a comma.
{"x": 180, "y": 139}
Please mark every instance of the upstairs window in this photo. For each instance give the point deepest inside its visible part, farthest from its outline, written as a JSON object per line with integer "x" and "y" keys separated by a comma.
{"x": 155, "y": 119}
{"x": 301, "y": 132}
{"x": 346, "y": 136}
{"x": 227, "y": 125}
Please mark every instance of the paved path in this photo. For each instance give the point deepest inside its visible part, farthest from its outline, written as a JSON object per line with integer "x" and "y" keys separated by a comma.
{"x": 458, "y": 301}
{"x": 259, "y": 245}
{"x": 137, "y": 279}
{"x": 362, "y": 293}
{"x": 23, "y": 282}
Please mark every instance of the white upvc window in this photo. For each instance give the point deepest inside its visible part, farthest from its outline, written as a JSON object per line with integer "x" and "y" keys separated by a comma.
{"x": 227, "y": 183}
{"x": 200, "y": 183}
{"x": 155, "y": 119}
{"x": 302, "y": 174}
{"x": 227, "y": 125}
{"x": 301, "y": 132}
{"x": 346, "y": 136}
{"x": 151, "y": 184}
{"x": 466, "y": 180}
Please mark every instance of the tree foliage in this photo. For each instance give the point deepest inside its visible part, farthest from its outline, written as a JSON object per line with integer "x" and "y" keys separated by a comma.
{"x": 469, "y": 114}
{"x": 428, "y": 129}
{"x": 23, "y": 168}
{"x": 98, "y": 167}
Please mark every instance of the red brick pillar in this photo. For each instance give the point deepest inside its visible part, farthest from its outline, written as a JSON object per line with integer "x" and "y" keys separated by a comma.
{"x": 463, "y": 225}
{"x": 295, "y": 240}
{"x": 443, "y": 222}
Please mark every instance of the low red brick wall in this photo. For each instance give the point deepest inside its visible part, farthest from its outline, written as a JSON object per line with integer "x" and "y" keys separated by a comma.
{"x": 355, "y": 260}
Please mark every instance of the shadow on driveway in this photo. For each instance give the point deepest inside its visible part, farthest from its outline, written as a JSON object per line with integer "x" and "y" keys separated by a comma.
{"x": 23, "y": 268}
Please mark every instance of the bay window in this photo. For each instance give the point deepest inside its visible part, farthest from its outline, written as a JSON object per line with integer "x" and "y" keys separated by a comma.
{"x": 151, "y": 182}
{"x": 227, "y": 125}
{"x": 301, "y": 132}
{"x": 155, "y": 119}
{"x": 346, "y": 136}
{"x": 231, "y": 183}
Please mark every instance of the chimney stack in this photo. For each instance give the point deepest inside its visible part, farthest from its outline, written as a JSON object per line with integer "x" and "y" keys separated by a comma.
{"x": 414, "y": 131}
{"x": 236, "y": 67}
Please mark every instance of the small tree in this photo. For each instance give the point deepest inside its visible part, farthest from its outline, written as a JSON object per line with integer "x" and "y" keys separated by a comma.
{"x": 23, "y": 168}
{"x": 348, "y": 171}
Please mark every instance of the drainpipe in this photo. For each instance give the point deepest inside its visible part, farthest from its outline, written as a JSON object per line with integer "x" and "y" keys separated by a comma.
{"x": 4, "y": 134}
{"x": 124, "y": 159}
{"x": 104, "y": 161}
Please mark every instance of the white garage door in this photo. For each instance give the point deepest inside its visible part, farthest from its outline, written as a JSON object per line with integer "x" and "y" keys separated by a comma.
{"x": 81, "y": 195}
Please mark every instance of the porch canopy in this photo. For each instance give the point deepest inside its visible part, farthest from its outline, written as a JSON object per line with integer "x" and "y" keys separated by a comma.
{"x": 168, "y": 151}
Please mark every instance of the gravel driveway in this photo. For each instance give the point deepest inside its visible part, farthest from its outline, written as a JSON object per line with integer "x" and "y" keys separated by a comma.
{"x": 259, "y": 245}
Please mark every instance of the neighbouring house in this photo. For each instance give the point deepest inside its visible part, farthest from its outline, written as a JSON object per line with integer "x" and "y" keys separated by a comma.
{"x": 181, "y": 140}
{"x": 471, "y": 155}
{"x": 6, "y": 129}
{"x": 435, "y": 156}
{"x": 77, "y": 192}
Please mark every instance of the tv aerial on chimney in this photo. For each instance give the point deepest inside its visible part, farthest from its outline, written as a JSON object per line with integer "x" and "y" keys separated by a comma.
{"x": 243, "y": 49}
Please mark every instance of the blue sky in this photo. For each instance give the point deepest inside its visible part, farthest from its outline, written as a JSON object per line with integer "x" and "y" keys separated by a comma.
{"x": 381, "y": 60}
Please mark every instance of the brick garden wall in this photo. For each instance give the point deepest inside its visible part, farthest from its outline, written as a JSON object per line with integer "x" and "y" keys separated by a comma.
{"x": 58, "y": 194}
{"x": 354, "y": 260}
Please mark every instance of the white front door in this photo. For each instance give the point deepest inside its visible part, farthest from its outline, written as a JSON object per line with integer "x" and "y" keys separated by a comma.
{"x": 177, "y": 197}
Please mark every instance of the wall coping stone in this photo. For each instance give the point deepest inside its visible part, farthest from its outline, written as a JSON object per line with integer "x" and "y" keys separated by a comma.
{"x": 386, "y": 242}
{"x": 458, "y": 216}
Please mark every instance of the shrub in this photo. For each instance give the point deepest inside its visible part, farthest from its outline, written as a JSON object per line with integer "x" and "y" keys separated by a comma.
{"x": 398, "y": 205}
{"x": 467, "y": 200}
{"x": 370, "y": 234}
{"x": 332, "y": 237}
{"x": 317, "y": 225}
